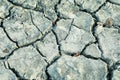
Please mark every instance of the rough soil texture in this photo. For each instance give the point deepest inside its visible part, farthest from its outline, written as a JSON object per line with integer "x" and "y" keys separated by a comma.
{"x": 59, "y": 39}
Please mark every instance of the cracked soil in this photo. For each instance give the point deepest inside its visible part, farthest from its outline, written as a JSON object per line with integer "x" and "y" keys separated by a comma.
{"x": 59, "y": 39}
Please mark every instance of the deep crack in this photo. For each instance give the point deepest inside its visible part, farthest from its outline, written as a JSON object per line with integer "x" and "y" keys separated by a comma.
{"x": 100, "y": 7}
{"x": 46, "y": 71}
{"x": 8, "y": 35}
{"x": 56, "y": 8}
{"x": 2, "y": 26}
{"x": 57, "y": 41}
{"x": 85, "y": 55}
{"x": 39, "y": 51}
{"x": 16, "y": 72}
{"x": 113, "y": 2}
{"x": 26, "y": 45}
{"x": 111, "y": 69}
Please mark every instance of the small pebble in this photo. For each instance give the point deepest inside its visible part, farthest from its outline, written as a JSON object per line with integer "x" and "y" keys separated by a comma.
{"x": 6, "y": 51}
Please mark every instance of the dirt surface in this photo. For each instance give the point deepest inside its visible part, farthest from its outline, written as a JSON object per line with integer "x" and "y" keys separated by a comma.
{"x": 59, "y": 39}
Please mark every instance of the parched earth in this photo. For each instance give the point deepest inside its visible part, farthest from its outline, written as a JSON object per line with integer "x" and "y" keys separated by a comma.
{"x": 59, "y": 39}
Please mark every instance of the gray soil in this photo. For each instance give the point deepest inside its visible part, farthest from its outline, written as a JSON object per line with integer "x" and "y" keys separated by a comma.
{"x": 59, "y": 39}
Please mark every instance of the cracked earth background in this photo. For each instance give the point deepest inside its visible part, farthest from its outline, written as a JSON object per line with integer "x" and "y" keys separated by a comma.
{"x": 59, "y": 39}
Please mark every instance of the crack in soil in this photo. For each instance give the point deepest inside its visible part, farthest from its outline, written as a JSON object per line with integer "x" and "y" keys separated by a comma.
{"x": 69, "y": 29}
{"x": 113, "y": 2}
{"x": 88, "y": 56}
{"x": 100, "y": 7}
{"x": 109, "y": 68}
{"x": 46, "y": 71}
{"x": 20, "y": 5}
{"x": 4, "y": 27}
{"x": 57, "y": 41}
{"x": 57, "y": 13}
{"x": 26, "y": 45}
{"x": 34, "y": 23}
{"x": 8, "y": 35}
{"x": 39, "y": 51}
{"x": 16, "y": 72}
